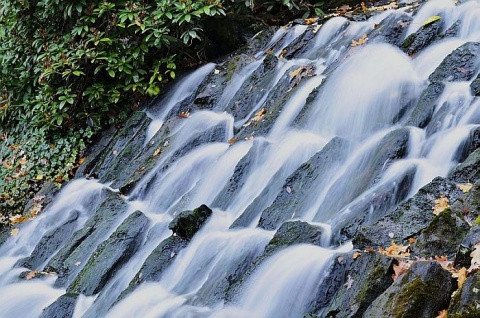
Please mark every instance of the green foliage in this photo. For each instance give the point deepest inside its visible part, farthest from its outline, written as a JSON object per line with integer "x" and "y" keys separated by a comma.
{"x": 71, "y": 67}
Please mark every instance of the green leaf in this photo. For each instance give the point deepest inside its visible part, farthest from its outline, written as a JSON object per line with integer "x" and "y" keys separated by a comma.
{"x": 111, "y": 73}
{"x": 431, "y": 20}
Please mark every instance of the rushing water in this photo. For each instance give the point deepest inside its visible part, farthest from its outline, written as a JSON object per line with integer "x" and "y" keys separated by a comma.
{"x": 365, "y": 96}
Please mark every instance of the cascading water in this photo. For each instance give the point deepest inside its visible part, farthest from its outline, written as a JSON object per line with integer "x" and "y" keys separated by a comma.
{"x": 324, "y": 135}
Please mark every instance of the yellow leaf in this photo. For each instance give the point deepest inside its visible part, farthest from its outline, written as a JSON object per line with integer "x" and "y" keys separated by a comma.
{"x": 157, "y": 151}
{"x": 6, "y": 165}
{"x": 23, "y": 161}
{"x": 39, "y": 177}
{"x": 295, "y": 72}
{"x": 364, "y": 7}
{"x": 411, "y": 240}
{"x": 394, "y": 250}
{"x": 441, "y": 204}
{"x": 81, "y": 160}
{"x": 465, "y": 187}
{"x": 442, "y": 314}
{"x": 18, "y": 219}
{"x": 14, "y": 232}
{"x": 360, "y": 41}
{"x": 311, "y": 20}
{"x": 431, "y": 20}
{"x": 31, "y": 275}
{"x": 461, "y": 276}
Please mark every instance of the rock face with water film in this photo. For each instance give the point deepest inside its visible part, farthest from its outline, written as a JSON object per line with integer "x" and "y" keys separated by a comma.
{"x": 281, "y": 181}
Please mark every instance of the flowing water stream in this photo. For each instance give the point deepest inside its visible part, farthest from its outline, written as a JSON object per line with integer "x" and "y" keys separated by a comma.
{"x": 365, "y": 98}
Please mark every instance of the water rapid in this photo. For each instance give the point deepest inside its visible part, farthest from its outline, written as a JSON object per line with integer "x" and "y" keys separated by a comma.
{"x": 306, "y": 131}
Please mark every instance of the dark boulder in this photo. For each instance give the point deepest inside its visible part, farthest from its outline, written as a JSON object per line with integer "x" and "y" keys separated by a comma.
{"x": 187, "y": 223}
{"x": 298, "y": 187}
{"x": 475, "y": 86}
{"x": 465, "y": 303}
{"x": 51, "y": 242}
{"x": 391, "y": 29}
{"x": 370, "y": 275}
{"x": 423, "y": 111}
{"x": 82, "y": 244}
{"x": 63, "y": 307}
{"x": 460, "y": 65}
{"x": 409, "y": 218}
{"x": 111, "y": 255}
{"x": 462, "y": 258}
{"x": 442, "y": 236}
{"x": 422, "y": 291}
{"x": 468, "y": 170}
{"x": 419, "y": 40}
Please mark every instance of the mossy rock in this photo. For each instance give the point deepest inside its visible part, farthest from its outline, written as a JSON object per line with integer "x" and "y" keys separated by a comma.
{"x": 187, "y": 223}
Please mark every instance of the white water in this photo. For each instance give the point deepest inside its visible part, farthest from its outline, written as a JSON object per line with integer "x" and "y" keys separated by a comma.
{"x": 367, "y": 96}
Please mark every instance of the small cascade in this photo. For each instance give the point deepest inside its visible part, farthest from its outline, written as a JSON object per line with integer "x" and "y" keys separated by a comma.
{"x": 251, "y": 177}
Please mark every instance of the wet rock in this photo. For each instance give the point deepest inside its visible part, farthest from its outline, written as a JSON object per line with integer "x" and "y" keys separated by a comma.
{"x": 297, "y": 188}
{"x": 419, "y": 40}
{"x": 240, "y": 174}
{"x": 422, "y": 291}
{"x": 370, "y": 275}
{"x": 442, "y": 236}
{"x": 300, "y": 44}
{"x": 391, "y": 29}
{"x": 253, "y": 89}
{"x": 63, "y": 307}
{"x": 187, "y": 223}
{"x": 363, "y": 174}
{"x": 462, "y": 258}
{"x": 160, "y": 258}
{"x": 51, "y": 242}
{"x": 468, "y": 204}
{"x": 294, "y": 232}
{"x": 475, "y": 86}
{"x": 469, "y": 169}
{"x": 423, "y": 111}
{"x": 452, "y": 31}
{"x": 290, "y": 233}
{"x": 466, "y": 302}
{"x": 409, "y": 218}
{"x": 66, "y": 262}
{"x": 4, "y": 232}
{"x": 111, "y": 255}
{"x": 372, "y": 207}
{"x": 460, "y": 65}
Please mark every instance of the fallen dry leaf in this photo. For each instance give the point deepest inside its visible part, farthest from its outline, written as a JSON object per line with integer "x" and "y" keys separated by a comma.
{"x": 441, "y": 204}
{"x": 258, "y": 116}
{"x": 157, "y": 151}
{"x": 356, "y": 255}
{"x": 31, "y": 274}
{"x": 360, "y": 41}
{"x": 399, "y": 269}
{"x": 233, "y": 140}
{"x": 309, "y": 21}
{"x": 465, "y": 187}
{"x": 18, "y": 219}
{"x": 431, "y": 20}
{"x": 461, "y": 276}
{"x": 442, "y": 314}
{"x": 394, "y": 250}
{"x": 411, "y": 240}
{"x": 184, "y": 114}
{"x": 14, "y": 232}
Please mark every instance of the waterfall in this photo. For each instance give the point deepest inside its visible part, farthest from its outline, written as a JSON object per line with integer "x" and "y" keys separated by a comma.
{"x": 317, "y": 137}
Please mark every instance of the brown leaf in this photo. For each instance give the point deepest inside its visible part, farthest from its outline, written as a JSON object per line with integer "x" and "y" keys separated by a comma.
{"x": 461, "y": 276}
{"x": 6, "y": 165}
{"x": 18, "y": 219}
{"x": 184, "y": 114}
{"x": 369, "y": 250}
{"x": 441, "y": 204}
{"x": 411, "y": 240}
{"x": 442, "y": 314}
{"x": 309, "y": 21}
{"x": 399, "y": 269}
{"x": 283, "y": 53}
{"x": 395, "y": 250}
{"x": 356, "y": 255}
{"x": 233, "y": 140}
{"x": 360, "y": 41}
{"x": 31, "y": 274}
